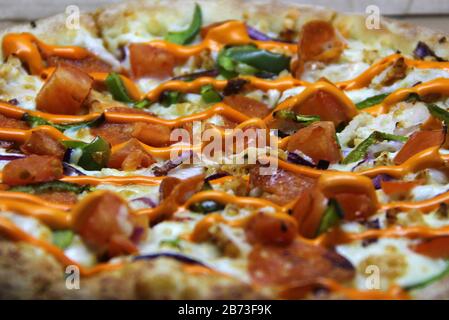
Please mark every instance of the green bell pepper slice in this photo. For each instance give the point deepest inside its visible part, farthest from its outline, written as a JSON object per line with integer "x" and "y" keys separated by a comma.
{"x": 188, "y": 35}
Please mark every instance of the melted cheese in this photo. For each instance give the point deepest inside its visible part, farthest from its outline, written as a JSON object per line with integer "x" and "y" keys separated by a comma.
{"x": 16, "y": 83}
{"x": 395, "y": 261}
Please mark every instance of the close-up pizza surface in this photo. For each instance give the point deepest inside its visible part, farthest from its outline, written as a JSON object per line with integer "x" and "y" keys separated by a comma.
{"x": 223, "y": 150}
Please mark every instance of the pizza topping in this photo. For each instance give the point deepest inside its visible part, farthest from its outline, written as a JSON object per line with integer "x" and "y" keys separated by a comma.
{"x": 362, "y": 148}
{"x": 149, "y": 133}
{"x": 6, "y": 122}
{"x": 395, "y": 188}
{"x": 51, "y": 187}
{"x": 32, "y": 169}
{"x": 281, "y": 187}
{"x": 271, "y": 229}
{"x": 65, "y": 91}
{"x": 41, "y": 143}
{"x": 438, "y": 113}
{"x": 296, "y": 264}
{"x": 325, "y": 105}
{"x": 188, "y": 35}
{"x": 397, "y": 71}
{"x": 434, "y": 248}
{"x": 248, "y": 59}
{"x": 248, "y": 106}
{"x": 62, "y": 238}
{"x": 356, "y": 206}
{"x": 371, "y": 101}
{"x": 88, "y": 64}
{"x": 117, "y": 88}
{"x": 35, "y": 121}
{"x": 107, "y": 224}
{"x": 331, "y": 217}
{"x": 419, "y": 141}
{"x": 130, "y": 157}
{"x": 150, "y": 61}
{"x": 63, "y": 197}
{"x": 423, "y": 51}
{"x": 318, "y": 42}
{"x": 89, "y": 156}
{"x": 316, "y": 141}
{"x": 209, "y": 95}
{"x": 286, "y": 114}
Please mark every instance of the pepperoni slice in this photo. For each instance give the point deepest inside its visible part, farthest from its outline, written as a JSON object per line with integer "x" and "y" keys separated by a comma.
{"x": 32, "y": 169}
{"x": 88, "y": 64}
{"x": 325, "y": 105}
{"x": 316, "y": 141}
{"x": 150, "y": 61}
{"x": 41, "y": 143}
{"x": 12, "y": 123}
{"x": 106, "y": 223}
{"x": 296, "y": 264}
{"x": 65, "y": 91}
{"x": 319, "y": 42}
{"x": 419, "y": 141}
{"x": 131, "y": 156}
{"x": 281, "y": 187}
{"x": 247, "y": 106}
{"x": 270, "y": 229}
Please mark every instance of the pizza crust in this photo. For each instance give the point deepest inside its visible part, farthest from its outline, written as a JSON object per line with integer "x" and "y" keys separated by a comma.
{"x": 27, "y": 272}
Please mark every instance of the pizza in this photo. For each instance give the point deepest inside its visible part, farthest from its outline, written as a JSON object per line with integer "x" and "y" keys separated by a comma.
{"x": 107, "y": 191}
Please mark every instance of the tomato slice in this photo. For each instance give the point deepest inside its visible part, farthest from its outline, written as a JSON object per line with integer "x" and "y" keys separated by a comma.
{"x": 150, "y": 61}
{"x": 114, "y": 133}
{"x": 308, "y": 211}
{"x": 41, "y": 143}
{"x": 355, "y": 206}
{"x": 32, "y": 169}
{"x": 319, "y": 42}
{"x": 89, "y": 64}
{"x": 152, "y": 134}
{"x": 65, "y": 91}
{"x": 106, "y": 223}
{"x": 167, "y": 185}
{"x": 131, "y": 156}
{"x": 175, "y": 192}
{"x": 325, "y": 105}
{"x": 281, "y": 187}
{"x": 316, "y": 141}
{"x": 435, "y": 248}
{"x": 247, "y": 106}
{"x": 419, "y": 141}
{"x": 269, "y": 229}
{"x": 297, "y": 264}
{"x": 12, "y": 123}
